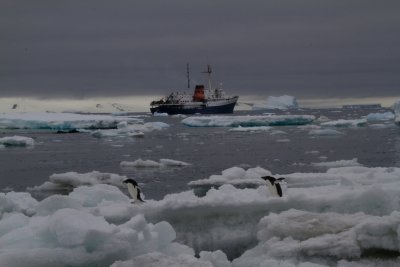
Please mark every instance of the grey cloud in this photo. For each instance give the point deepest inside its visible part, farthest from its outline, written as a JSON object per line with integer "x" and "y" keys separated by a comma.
{"x": 115, "y": 48}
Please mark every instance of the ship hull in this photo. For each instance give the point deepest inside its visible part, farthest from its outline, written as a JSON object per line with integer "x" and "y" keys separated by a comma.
{"x": 193, "y": 108}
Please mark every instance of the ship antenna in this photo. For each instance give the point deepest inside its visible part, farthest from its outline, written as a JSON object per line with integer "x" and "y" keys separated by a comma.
{"x": 187, "y": 75}
{"x": 209, "y": 71}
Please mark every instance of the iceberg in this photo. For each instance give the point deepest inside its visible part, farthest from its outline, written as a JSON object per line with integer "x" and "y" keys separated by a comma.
{"x": 373, "y": 117}
{"x": 17, "y": 141}
{"x": 247, "y": 121}
{"x": 345, "y": 123}
{"x": 277, "y": 102}
{"x": 60, "y": 121}
{"x": 396, "y": 109}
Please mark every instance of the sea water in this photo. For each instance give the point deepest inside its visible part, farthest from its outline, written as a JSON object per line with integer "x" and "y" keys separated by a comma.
{"x": 339, "y": 210}
{"x": 209, "y": 150}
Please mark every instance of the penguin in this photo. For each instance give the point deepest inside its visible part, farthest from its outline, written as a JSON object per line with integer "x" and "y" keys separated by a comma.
{"x": 275, "y": 185}
{"x": 134, "y": 190}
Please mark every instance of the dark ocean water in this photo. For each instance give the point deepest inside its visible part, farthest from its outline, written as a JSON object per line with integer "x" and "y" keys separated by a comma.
{"x": 209, "y": 150}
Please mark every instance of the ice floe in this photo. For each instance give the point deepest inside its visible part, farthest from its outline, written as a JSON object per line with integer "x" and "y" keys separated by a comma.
{"x": 240, "y": 178}
{"x": 66, "y": 182}
{"x": 338, "y": 163}
{"x": 60, "y": 121}
{"x": 140, "y": 163}
{"x": 342, "y": 214}
{"x": 247, "y": 121}
{"x": 325, "y": 132}
{"x": 277, "y": 102}
{"x": 345, "y": 123}
{"x": 17, "y": 141}
{"x": 125, "y": 128}
{"x": 251, "y": 129}
{"x": 373, "y": 117}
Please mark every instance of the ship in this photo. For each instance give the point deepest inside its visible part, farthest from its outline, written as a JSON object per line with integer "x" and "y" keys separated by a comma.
{"x": 202, "y": 101}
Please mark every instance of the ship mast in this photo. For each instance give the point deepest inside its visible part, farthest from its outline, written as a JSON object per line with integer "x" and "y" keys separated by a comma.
{"x": 209, "y": 71}
{"x": 187, "y": 75}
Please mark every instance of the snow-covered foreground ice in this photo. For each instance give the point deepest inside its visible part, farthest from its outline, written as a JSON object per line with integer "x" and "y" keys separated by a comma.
{"x": 247, "y": 121}
{"x": 61, "y": 121}
{"x": 16, "y": 141}
{"x": 345, "y": 214}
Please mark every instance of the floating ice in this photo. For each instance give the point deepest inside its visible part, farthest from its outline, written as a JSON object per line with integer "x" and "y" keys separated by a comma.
{"x": 325, "y": 132}
{"x": 65, "y": 182}
{"x": 139, "y": 163}
{"x": 323, "y": 236}
{"x": 17, "y": 141}
{"x": 342, "y": 213}
{"x": 277, "y": 102}
{"x": 373, "y": 117}
{"x": 76, "y": 238}
{"x": 396, "y": 108}
{"x": 247, "y": 121}
{"x": 129, "y": 129}
{"x": 339, "y": 163}
{"x": 235, "y": 176}
{"x": 251, "y": 129}
{"x": 60, "y": 121}
{"x": 345, "y": 123}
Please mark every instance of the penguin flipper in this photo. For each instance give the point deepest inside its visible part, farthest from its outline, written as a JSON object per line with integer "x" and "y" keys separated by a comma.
{"x": 278, "y": 189}
{"x": 138, "y": 196}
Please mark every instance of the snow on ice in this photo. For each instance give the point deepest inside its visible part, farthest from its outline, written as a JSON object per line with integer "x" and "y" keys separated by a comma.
{"x": 345, "y": 123}
{"x": 60, "y": 121}
{"x": 247, "y": 121}
{"x": 373, "y": 117}
{"x": 66, "y": 182}
{"x": 125, "y": 128}
{"x": 139, "y": 163}
{"x": 277, "y": 102}
{"x": 338, "y": 163}
{"x": 17, "y": 141}
{"x": 340, "y": 215}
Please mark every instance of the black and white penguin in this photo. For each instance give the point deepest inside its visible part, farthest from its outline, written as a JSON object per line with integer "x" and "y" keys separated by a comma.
{"x": 275, "y": 186}
{"x": 134, "y": 190}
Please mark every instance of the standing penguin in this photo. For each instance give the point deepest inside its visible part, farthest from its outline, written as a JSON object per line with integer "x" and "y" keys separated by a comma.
{"x": 274, "y": 185}
{"x": 134, "y": 190}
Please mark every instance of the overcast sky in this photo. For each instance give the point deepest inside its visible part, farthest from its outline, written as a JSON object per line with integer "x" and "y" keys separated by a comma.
{"x": 309, "y": 48}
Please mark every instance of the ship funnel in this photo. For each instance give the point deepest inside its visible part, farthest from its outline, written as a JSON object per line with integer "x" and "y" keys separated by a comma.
{"x": 199, "y": 93}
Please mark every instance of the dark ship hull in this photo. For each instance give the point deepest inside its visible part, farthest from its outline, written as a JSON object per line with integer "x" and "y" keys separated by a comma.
{"x": 222, "y": 107}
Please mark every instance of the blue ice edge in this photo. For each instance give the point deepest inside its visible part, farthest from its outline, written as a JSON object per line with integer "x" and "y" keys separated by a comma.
{"x": 247, "y": 121}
